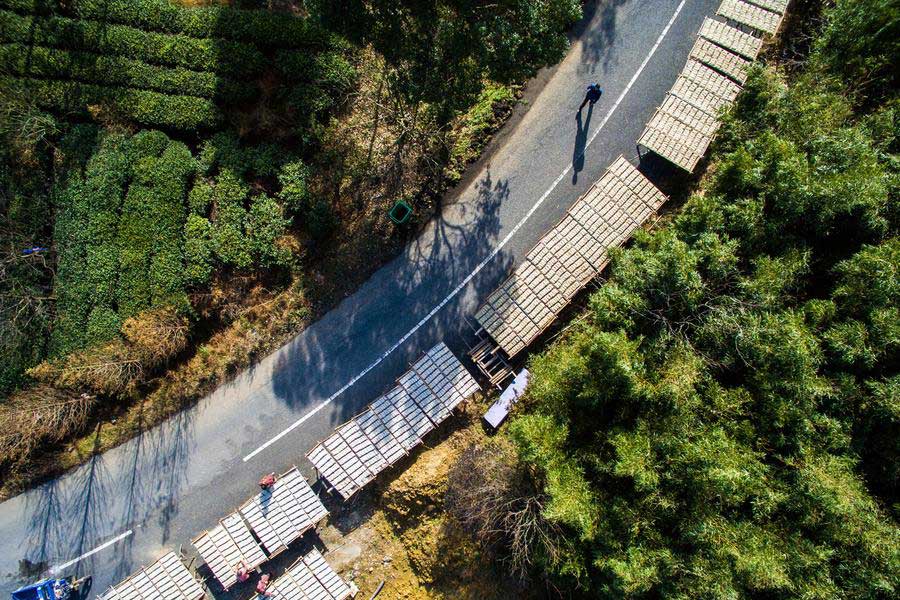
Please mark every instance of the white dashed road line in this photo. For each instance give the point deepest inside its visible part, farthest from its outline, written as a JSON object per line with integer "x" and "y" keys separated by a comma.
{"x": 102, "y": 546}
{"x": 484, "y": 262}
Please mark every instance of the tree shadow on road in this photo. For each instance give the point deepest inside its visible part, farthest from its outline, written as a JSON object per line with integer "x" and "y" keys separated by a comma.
{"x": 595, "y": 44}
{"x": 74, "y": 514}
{"x": 334, "y": 350}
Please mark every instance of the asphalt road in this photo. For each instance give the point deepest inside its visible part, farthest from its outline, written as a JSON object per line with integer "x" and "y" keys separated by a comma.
{"x": 179, "y": 478}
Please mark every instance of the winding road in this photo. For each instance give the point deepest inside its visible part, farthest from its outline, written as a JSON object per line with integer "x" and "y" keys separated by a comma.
{"x": 127, "y": 506}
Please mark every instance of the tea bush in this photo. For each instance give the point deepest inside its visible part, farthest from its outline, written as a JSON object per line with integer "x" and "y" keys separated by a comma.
{"x": 54, "y": 63}
{"x": 145, "y": 107}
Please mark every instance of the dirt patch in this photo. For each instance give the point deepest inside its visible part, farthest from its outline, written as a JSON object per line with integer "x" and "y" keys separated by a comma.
{"x": 398, "y": 534}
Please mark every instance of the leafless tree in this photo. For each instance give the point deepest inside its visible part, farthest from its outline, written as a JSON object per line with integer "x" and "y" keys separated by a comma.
{"x": 492, "y": 495}
{"x": 155, "y": 336}
{"x": 38, "y": 416}
{"x": 108, "y": 369}
{"x": 24, "y": 288}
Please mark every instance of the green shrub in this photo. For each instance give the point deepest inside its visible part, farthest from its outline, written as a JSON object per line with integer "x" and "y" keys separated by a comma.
{"x": 294, "y": 193}
{"x": 200, "y": 197}
{"x": 861, "y": 43}
{"x": 173, "y": 170}
{"x": 331, "y": 70}
{"x": 265, "y": 224}
{"x": 224, "y": 151}
{"x": 228, "y": 239}
{"x": 51, "y": 63}
{"x": 217, "y": 56}
{"x": 147, "y": 108}
{"x": 103, "y": 324}
{"x": 84, "y": 233}
{"x": 198, "y": 252}
{"x": 334, "y": 73}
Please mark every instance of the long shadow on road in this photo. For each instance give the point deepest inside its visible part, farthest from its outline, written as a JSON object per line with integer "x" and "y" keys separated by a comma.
{"x": 581, "y": 136}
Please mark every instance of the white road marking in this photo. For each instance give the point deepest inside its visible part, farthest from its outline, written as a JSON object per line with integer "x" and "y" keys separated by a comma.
{"x": 484, "y": 262}
{"x": 102, "y": 546}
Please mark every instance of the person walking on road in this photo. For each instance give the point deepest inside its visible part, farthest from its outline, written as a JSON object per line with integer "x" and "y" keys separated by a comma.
{"x": 592, "y": 95}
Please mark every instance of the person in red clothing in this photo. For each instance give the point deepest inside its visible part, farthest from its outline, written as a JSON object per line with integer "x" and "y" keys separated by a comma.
{"x": 262, "y": 584}
{"x": 267, "y": 482}
{"x": 242, "y": 572}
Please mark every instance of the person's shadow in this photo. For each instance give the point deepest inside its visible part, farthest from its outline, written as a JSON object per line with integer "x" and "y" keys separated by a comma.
{"x": 580, "y": 142}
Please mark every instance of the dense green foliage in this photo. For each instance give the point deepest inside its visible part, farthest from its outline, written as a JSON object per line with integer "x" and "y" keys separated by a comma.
{"x": 725, "y": 423}
{"x": 118, "y": 233}
{"x": 51, "y": 63}
{"x": 252, "y": 26}
{"x": 130, "y": 236}
{"x": 201, "y": 54}
{"x": 466, "y": 41}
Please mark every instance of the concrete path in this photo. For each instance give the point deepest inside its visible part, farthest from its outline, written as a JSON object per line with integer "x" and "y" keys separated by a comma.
{"x": 179, "y": 478}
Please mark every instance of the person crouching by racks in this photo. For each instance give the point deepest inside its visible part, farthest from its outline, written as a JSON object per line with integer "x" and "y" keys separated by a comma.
{"x": 262, "y": 586}
{"x": 241, "y": 572}
{"x": 267, "y": 482}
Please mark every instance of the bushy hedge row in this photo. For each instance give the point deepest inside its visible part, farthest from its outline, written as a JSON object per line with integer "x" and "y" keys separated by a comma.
{"x": 119, "y": 235}
{"x": 216, "y": 56}
{"x": 150, "y": 235}
{"x": 145, "y": 107}
{"x": 331, "y": 70}
{"x": 84, "y": 236}
{"x": 53, "y": 63}
{"x": 258, "y": 27}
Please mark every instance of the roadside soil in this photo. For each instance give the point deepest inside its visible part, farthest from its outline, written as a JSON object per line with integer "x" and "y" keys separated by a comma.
{"x": 397, "y": 533}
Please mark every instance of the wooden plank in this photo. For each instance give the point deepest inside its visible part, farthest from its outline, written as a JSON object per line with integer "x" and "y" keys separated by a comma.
{"x": 711, "y": 80}
{"x": 165, "y": 579}
{"x": 674, "y": 141}
{"x": 226, "y": 546}
{"x": 560, "y": 244}
{"x": 689, "y": 115}
{"x": 642, "y": 187}
{"x": 391, "y": 448}
{"x": 731, "y": 38}
{"x": 390, "y": 415}
{"x": 430, "y": 404}
{"x": 412, "y": 412}
{"x": 753, "y": 16}
{"x": 431, "y": 374}
{"x": 351, "y": 463}
{"x": 326, "y": 576}
{"x": 362, "y": 447}
{"x": 310, "y": 578}
{"x": 778, "y": 6}
{"x": 329, "y": 468}
{"x": 506, "y": 323}
{"x": 462, "y": 381}
{"x": 720, "y": 59}
{"x": 699, "y": 96}
{"x": 567, "y": 282}
{"x": 590, "y": 246}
